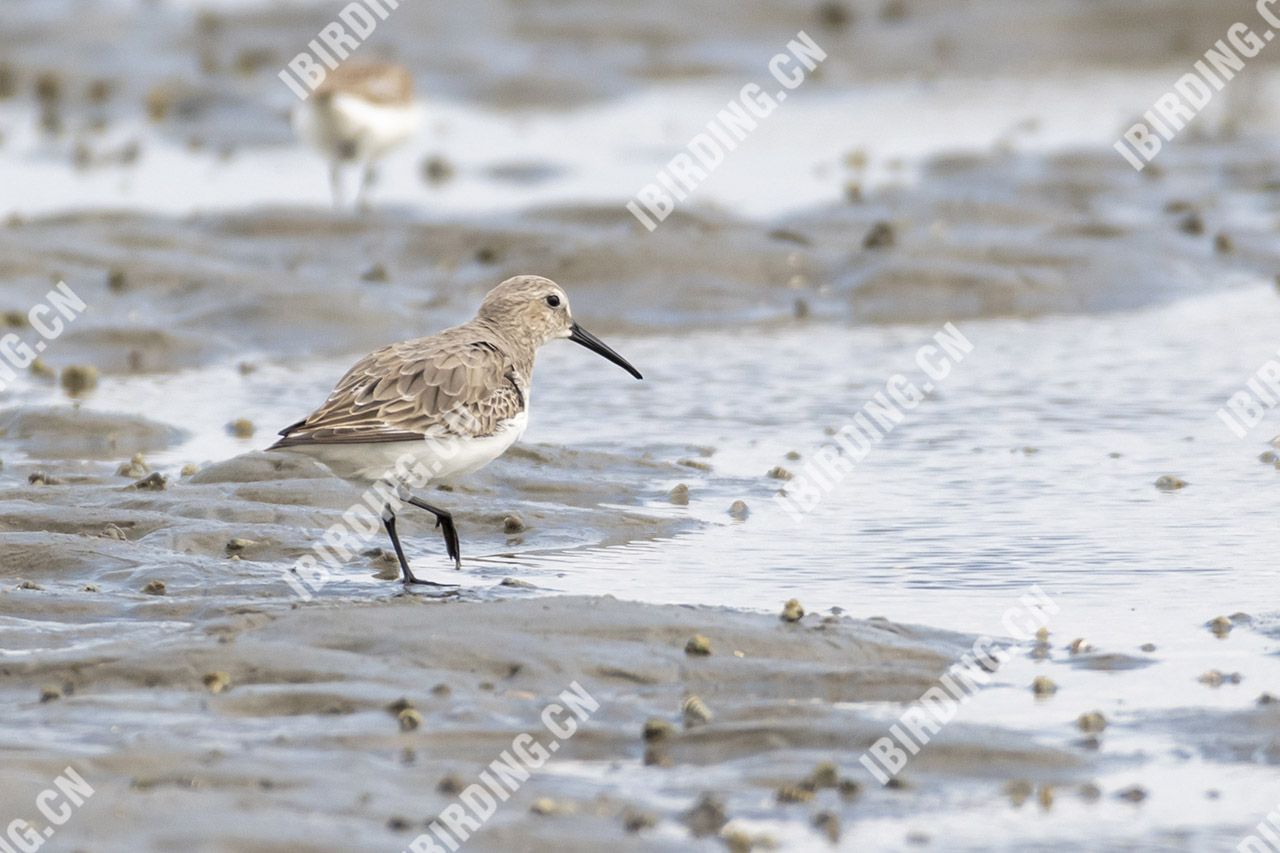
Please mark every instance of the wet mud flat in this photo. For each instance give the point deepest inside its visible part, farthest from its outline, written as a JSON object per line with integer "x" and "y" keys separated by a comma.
{"x": 126, "y": 605}
{"x": 147, "y": 636}
{"x": 353, "y": 724}
{"x": 149, "y": 640}
{"x": 233, "y": 530}
{"x": 1001, "y": 235}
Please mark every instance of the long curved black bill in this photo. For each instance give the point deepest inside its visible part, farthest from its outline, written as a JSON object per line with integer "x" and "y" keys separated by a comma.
{"x": 579, "y": 335}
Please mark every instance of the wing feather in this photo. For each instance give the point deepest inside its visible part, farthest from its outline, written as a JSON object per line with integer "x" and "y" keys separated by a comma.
{"x": 452, "y": 384}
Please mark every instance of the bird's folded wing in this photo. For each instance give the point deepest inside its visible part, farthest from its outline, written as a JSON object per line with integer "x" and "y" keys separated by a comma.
{"x": 408, "y": 391}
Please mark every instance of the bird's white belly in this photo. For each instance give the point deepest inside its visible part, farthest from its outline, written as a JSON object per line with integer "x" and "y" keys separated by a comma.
{"x": 428, "y": 461}
{"x": 453, "y": 457}
{"x": 371, "y": 130}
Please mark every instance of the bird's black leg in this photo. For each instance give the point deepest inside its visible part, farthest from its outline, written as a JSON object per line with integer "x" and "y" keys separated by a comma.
{"x": 444, "y": 520}
{"x": 389, "y": 521}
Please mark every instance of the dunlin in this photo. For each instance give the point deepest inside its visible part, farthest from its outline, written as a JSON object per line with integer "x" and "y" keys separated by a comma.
{"x": 455, "y": 401}
{"x": 357, "y": 116}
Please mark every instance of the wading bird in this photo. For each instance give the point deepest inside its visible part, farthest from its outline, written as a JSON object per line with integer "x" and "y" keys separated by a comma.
{"x": 359, "y": 114}
{"x": 454, "y": 401}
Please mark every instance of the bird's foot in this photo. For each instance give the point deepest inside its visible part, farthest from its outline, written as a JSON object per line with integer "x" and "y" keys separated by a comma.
{"x": 419, "y": 582}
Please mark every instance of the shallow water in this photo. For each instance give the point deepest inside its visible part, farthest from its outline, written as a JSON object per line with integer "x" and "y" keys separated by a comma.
{"x": 502, "y": 161}
{"x": 606, "y": 153}
{"x": 1003, "y": 480}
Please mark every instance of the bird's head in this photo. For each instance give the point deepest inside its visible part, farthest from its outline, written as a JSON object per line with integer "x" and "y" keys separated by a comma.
{"x": 531, "y": 310}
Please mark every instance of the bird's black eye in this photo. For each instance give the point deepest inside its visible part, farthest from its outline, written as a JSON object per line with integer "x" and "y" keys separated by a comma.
{"x": 553, "y": 301}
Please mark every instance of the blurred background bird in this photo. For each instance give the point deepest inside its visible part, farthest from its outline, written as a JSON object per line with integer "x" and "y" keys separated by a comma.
{"x": 359, "y": 114}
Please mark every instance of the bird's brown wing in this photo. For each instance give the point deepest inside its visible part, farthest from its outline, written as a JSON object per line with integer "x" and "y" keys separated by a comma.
{"x": 447, "y": 385}
{"x": 377, "y": 82}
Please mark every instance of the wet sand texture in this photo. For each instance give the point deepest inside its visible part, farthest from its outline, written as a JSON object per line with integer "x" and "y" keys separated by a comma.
{"x": 1008, "y": 235}
{"x": 301, "y": 753}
